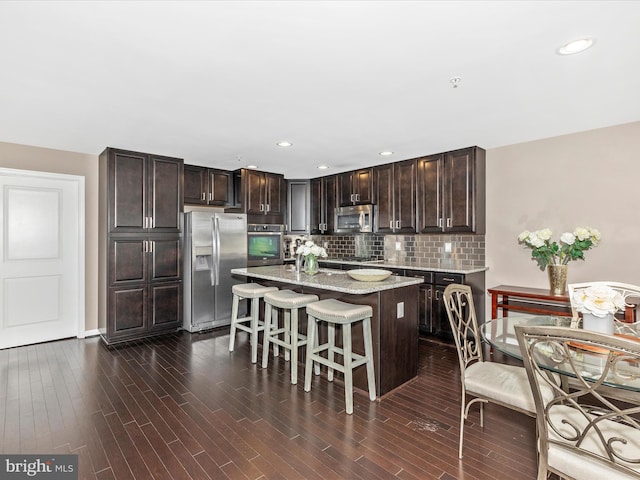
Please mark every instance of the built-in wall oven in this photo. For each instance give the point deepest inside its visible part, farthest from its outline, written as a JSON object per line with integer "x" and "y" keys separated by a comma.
{"x": 264, "y": 244}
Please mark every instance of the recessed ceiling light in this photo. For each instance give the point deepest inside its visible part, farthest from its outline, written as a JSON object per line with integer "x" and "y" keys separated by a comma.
{"x": 576, "y": 46}
{"x": 252, "y": 167}
{"x": 284, "y": 144}
{"x": 386, "y": 153}
{"x": 323, "y": 167}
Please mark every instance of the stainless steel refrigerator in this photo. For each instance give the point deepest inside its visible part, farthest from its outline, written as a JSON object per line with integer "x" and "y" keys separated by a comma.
{"x": 214, "y": 243}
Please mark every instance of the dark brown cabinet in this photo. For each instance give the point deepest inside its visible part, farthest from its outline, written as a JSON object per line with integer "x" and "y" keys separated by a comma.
{"x": 298, "y": 207}
{"x": 140, "y": 255}
{"x": 451, "y": 192}
{"x": 355, "y": 188}
{"x": 395, "y": 197}
{"x": 207, "y": 186}
{"x": 263, "y": 196}
{"x": 323, "y": 204}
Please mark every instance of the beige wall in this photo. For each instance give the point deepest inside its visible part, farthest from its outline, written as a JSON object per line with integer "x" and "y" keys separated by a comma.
{"x": 56, "y": 161}
{"x": 588, "y": 178}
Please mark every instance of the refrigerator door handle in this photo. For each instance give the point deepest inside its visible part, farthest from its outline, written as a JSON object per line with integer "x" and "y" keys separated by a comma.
{"x": 215, "y": 257}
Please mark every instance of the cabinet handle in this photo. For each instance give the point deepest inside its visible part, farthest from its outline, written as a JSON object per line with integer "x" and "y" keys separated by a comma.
{"x": 449, "y": 222}
{"x": 448, "y": 279}
{"x": 150, "y": 222}
{"x": 262, "y": 207}
{"x": 398, "y": 223}
{"x": 203, "y": 196}
{"x": 210, "y": 196}
{"x": 351, "y": 197}
{"x": 440, "y": 222}
{"x": 357, "y": 197}
{"x": 151, "y": 242}
{"x": 268, "y": 207}
{"x": 391, "y": 224}
{"x": 437, "y": 294}
{"x": 429, "y": 294}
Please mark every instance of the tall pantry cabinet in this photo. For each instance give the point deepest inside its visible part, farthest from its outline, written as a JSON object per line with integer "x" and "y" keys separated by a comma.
{"x": 140, "y": 253}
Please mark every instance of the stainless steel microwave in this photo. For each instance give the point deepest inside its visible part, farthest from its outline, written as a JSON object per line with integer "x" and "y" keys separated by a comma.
{"x": 354, "y": 219}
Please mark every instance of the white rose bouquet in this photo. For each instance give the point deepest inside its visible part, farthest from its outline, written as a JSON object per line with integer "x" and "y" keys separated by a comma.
{"x": 598, "y": 300}
{"x": 311, "y": 249}
{"x": 572, "y": 245}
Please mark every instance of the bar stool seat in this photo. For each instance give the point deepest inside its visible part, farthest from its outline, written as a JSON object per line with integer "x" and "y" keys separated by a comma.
{"x": 290, "y": 302}
{"x": 253, "y": 292}
{"x": 334, "y": 312}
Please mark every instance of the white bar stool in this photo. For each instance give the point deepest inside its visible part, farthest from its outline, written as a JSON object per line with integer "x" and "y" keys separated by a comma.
{"x": 253, "y": 292}
{"x": 335, "y": 312}
{"x": 289, "y": 301}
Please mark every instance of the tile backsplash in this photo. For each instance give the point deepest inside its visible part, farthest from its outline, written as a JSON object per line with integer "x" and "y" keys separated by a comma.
{"x": 465, "y": 250}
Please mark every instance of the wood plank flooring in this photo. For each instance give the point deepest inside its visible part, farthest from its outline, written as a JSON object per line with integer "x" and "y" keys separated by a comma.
{"x": 181, "y": 406}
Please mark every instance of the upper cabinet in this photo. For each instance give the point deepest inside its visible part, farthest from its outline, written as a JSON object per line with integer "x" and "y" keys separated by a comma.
{"x": 323, "y": 204}
{"x": 395, "y": 197}
{"x": 263, "y": 196}
{"x": 207, "y": 186}
{"x": 144, "y": 192}
{"x": 451, "y": 192}
{"x": 355, "y": 188}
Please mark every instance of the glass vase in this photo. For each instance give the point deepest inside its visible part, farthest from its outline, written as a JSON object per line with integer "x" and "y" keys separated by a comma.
{"x": 311, "y": 266}
{"x": 557, "y": 279}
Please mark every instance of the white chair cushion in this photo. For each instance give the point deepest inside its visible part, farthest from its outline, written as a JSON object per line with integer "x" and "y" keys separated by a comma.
{"x": 251, "y": 290}
{"x": 580, "y": 467}
{"x": 335, "y": 311}
{"x": 505, "y": 383}
{"x": 289, "y": 299}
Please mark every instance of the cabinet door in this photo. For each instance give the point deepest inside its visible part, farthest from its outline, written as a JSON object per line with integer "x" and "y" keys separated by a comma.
{"x": 426, "y": 309}
{"x": 165, "y": 308}
{"x": 220, "y": 188}
{"x": 329, "y": 202}
{"x": 196, "y": 184}
{"x": 315, "y": 210}
{"x": 430, "y": 176}
{"x": 345, "y": 193}
{"x": 458, "y": 191}
{"x": 127, "y": 191}
{"x": 165, "y": 258}
{"x": 384, "y": 195}
{"x": 165, "y": 193}
{"x": 127, "y": 312}
{"x": 254, "y": 184}
{"x": 128, "y": 260}
{"x": 275, "y": 197}
{"x": 363, "y": 186}
{"x": 404, "y": 188}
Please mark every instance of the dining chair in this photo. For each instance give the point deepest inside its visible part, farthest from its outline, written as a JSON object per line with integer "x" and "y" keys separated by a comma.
{"x": 485, "y": 381}
{"x": 624, "y": 326}
{"x": 583, "y": 433}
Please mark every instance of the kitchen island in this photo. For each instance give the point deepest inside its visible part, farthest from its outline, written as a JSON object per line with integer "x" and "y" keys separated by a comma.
{"x": 394, "y": 323}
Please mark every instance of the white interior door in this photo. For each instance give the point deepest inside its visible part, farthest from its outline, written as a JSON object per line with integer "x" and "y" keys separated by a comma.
{"x": 41, "y": 257}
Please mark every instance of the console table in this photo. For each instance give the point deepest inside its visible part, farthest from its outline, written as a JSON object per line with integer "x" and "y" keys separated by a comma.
{"x": 529, "y": 300}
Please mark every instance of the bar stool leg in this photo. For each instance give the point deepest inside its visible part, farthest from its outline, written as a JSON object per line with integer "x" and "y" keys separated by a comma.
{"x": 331, "y": 329}
{"x": 255, "y": 303}
{"x": 368, "y": 351}
{"x": 265, "y": 334}
{"x": 348, "y": 369}
{"x": 294, "y": 345}
{"x": 312, "y": 340}
{"x": 287, "y": 334}
{"x": 234, "y": 317}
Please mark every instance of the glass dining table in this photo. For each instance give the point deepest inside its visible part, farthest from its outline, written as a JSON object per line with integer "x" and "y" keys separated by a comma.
{"x": 500, "y": 334}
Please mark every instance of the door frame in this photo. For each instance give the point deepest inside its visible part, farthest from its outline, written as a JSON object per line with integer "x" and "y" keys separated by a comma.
{"x": 78, "y": 182}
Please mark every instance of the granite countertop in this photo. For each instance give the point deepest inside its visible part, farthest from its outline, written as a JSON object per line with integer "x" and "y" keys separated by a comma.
{"x": 325, "y": 279}
{"x": 446, "y": 266}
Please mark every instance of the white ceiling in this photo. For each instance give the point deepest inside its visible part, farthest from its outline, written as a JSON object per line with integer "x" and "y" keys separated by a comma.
{"x": 219, "y": 83}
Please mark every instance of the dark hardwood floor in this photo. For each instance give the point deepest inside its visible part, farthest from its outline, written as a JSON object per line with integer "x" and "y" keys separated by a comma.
{"x": 181, "y": 406}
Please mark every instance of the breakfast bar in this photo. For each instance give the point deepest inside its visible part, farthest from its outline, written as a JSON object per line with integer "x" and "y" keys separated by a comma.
{"x": 394, "y": 324}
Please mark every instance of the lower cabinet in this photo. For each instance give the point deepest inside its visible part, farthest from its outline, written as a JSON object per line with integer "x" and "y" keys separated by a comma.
{"x": 145, "y": 287}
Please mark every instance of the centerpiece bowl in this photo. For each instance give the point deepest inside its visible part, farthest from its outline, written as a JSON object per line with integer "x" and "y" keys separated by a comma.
{"x": 369, "y": 274}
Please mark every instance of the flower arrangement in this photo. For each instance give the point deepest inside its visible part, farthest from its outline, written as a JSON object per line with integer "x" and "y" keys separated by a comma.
{"x": 598, "y": 300}
{"x": 571, "y": 246}
{"x": 311, "y": 249}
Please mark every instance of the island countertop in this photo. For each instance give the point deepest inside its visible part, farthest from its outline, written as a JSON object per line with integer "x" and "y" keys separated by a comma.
{"x": 326, "y": 279}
